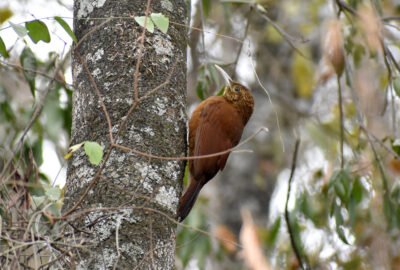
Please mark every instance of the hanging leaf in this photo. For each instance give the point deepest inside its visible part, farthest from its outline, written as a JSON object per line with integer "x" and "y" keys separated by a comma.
{"x": 161, "y": 21}
{"x": 3, "y": 49}
{"x": 37, "y": 31}
{"x": 149, "y": 24}
{"x": 94, "y": 151}
{"x": 341, "y": 181}
{"x": 342, "y": 234}
{"x": 29, "y": 63}
{"x": 20, "y": 30}
{"x": 53, "y": 193}
{"x": 66, "y": 28}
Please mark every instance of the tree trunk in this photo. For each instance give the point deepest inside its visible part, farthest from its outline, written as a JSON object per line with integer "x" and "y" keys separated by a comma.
{"x": 141, "y": 193}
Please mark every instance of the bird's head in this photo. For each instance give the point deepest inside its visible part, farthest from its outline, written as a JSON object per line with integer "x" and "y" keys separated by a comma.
{"x": 237, "y": 94}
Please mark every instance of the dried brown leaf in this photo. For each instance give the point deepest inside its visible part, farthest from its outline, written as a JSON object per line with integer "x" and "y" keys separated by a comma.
{"x": 371, "y": 26}
{"x": 226, "y": 237}
{"x": 252, "y": 251}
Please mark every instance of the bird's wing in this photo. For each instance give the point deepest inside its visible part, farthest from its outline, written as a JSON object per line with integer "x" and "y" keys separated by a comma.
{"x": 219, "y": 128}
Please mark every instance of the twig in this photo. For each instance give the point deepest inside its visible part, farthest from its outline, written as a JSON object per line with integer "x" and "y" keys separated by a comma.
{"x": 385, "y": 183}
{"x": 289, "y": 39}
{"x": 140, "y": 54}
{"x": 391, "y": 18}
{"x": 147, "y": 95}
{"x": 96, "y": 177}
{"x": 128, "y": 149}
{"x": 302, "y": 261}
{"x": 117, "y": 242}
{"x": 272, "y": 104}
{"x": 172, "y": 219}
{"x": 109, "y": 150}
{"x": 345, "y": 7}
{"x": 112, "y": 145}
{"x": 341, "y": 122}
{"x": 99, "y": 96}
{"x": 40, "y": 73}
{"x": 91, "y": 31}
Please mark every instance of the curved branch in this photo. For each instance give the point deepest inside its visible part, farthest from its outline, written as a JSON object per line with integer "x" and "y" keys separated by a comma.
{"x": 302, "y": 260}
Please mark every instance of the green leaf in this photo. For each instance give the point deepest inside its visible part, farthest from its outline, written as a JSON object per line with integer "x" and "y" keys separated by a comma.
{"x": 396, "y": 86}
{"x": 149, "y": 24}
{"x": 37, "y": 149}
{"x": 341, "y": 182}
{"x": 342, "y": 235}
{"x": 3, "y": 49}
{"x": 29, "y": 63}
{"x": 200, "y": 90}
{"x": 161, "y": 21}
{"x": 38, "y": 200}
{"x": 66, "y": 28}
{"x": 339, "y": 220}
{"x": 274, "y": 231}
{"x": 38, "y": 31}
{"x": 53, "y": 193}
{"x": 94, "y": 151}
{"x": 20, "y": 30}
{"x": 7, "y": 112}
{"x": 338, "y": 215}
{"x": 220, "y": 92}
{"x": 357, "y": 191}
{"x": 206, "y": 7}
{"x": 396, "y": 146}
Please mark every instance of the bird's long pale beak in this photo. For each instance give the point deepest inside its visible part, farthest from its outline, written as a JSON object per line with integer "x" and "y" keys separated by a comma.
{"x": 225, "y": 75}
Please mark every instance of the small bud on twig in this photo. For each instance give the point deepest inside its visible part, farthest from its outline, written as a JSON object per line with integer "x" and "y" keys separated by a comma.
{"x": 333, "y": 46}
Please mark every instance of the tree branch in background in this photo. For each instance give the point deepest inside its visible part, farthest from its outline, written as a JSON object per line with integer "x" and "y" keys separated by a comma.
{"x": 233, "y": 75}
{"x": 35, "y": 114}
{"x": 289, "y": 39}
{"x": 341, "y": 121}
{"x": 302, "y": 261}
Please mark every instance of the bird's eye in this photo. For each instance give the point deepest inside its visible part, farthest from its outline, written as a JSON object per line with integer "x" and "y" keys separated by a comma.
{"x": 236, "y": 89}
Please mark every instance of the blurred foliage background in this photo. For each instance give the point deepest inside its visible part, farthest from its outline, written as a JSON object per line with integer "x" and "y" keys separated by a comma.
{"x": 324, "y": 72}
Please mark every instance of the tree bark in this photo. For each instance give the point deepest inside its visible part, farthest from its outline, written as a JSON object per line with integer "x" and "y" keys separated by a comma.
{"x": 136, "y": 231}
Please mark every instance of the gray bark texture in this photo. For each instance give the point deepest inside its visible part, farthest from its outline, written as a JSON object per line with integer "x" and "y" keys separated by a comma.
{"x": 141, "y": 193}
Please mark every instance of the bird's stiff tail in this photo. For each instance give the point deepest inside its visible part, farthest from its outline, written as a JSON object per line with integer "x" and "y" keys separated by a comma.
{"x": 188, "y": 199}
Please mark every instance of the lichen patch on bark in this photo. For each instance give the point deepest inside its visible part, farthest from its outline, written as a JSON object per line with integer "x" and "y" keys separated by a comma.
{"x": 87, "y": 6}
{"x": 160, "y": 106}
{"x": 167, "y": 198}
{"x": 166, "y": 4}
{"x": 107, "y": 223}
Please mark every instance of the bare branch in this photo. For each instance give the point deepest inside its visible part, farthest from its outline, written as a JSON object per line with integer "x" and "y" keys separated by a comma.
{"x": 302, "y": 261}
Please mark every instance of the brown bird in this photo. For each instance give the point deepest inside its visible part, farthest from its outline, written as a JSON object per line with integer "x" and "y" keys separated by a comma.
{"x": 216, "y": 125}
